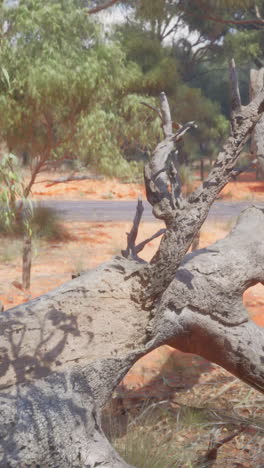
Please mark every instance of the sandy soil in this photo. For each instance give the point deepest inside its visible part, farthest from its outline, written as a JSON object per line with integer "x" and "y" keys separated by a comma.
{"x": 244, "y": 188}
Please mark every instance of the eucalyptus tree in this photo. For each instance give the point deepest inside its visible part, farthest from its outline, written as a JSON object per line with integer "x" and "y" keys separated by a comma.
{"x": 59, "y": 81}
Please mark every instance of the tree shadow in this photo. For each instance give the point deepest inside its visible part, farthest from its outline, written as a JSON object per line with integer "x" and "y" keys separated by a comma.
{"x": 52, "y": 333}
{"x": 38, "y": 417}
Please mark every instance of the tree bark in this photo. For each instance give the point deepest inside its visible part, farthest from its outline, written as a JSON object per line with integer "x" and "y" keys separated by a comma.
{"x": 26, "y": 260}
{"x": 63, "y": 354}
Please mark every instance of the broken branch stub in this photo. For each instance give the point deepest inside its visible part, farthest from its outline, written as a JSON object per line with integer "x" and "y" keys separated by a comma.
{"x": 132, "y": 249}
{"x": 234, "y": 87}
{"x": 162, "y": 181}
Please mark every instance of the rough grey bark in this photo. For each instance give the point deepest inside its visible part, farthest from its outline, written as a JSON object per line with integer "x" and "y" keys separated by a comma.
{"x": 62, "y": 354}
{"x": 26, "y": 260}
{"x": 257, "y": 140}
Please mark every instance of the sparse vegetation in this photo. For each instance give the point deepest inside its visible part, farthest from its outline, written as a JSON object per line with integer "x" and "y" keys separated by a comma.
{"x": 44, "y": 222}
{"x": 176, "y": 432}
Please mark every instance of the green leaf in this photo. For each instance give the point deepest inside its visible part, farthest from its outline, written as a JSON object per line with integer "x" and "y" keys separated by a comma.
{"x": 6, "y": 76}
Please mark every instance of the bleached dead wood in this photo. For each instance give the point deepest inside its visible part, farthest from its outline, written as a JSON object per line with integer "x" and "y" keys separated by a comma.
{"x": 63, "y": 354}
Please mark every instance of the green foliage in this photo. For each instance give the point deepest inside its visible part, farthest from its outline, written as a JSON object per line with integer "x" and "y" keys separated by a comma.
{"x": 11, "y": 188}
{"x": 244, "y": 46}
{"x": 129, "y": 129}
{"x": 58, "y": 69}
{"x": 163, "y": 68}
{"x": 65, "y": 91}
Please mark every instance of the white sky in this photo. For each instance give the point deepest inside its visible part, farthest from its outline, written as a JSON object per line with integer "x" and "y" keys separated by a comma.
{"x": 116, "y": 15}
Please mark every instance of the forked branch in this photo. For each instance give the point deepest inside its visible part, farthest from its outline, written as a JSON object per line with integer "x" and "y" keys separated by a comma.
{"x": 132, "y": 249}
{"x": 184, "y": 217}
{"x": 235, "y": 93}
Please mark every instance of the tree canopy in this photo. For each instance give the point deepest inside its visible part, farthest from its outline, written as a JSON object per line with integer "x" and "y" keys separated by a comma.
{"x": 70, "y": 88}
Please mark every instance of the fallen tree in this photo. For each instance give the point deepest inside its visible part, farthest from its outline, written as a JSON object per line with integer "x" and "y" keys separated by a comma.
{"x": 63, "y": 354}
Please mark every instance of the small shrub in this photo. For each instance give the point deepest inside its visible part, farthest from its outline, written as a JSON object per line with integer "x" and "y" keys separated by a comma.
{"x": 44, "y": 222}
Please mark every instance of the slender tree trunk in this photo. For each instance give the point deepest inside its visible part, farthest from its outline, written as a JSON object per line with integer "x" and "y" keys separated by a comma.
{"x": 202, "y": 169}
{"x": 26, "y": 261}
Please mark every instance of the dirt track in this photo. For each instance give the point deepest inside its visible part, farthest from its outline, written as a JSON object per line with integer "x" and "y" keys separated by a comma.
{"x": 117, "y": 210}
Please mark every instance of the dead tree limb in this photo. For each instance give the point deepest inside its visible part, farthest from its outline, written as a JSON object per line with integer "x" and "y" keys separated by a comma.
{"x": 235, "y": 93}
{"x": 185, "y": 218}
{"x": 71, "y": 347}
{"x": 62, "y": 354}
{"x": 155, "y": 109}
{"x": 130, "y": 251}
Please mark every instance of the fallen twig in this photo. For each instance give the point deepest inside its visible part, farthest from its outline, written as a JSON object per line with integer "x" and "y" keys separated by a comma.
{"x": 211, "y": 455}
{"x": 63, "y": 180}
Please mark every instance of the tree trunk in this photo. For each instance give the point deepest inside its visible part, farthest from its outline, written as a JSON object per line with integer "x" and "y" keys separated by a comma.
{"x": 26, "y": 260}
{"x": 63, "y": 354}
{"x": 202, "y": 169}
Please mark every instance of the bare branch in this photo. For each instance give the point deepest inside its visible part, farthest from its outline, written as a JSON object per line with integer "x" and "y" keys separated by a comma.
{"x": 211, "y": 455}
{"x": 253, "y": 21}
{"x": 162, "y": 181}
{"x": 141, "y": 246}
{"x": 208, "y": 14}
{"x": 166, "y": 115}
{"x": 183, "y": 129}
{"x": 257, "y": 12}
{"x": 130, "y": 251}
{"x": 216, "y": 325}
{"x": 234, "y": 86}
{"x": 155, "y": 109}
{"x": 104, "y": 6}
